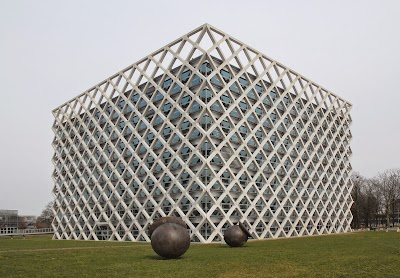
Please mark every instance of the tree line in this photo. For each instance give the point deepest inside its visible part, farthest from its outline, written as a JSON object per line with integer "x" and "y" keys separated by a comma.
{"x": 46, "y": 217}
{"x": 43, "y": 221}
{"x": 376, "y": 200}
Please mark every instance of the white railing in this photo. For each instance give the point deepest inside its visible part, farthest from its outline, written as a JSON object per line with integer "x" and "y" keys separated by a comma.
{"x": 15, "y": 231}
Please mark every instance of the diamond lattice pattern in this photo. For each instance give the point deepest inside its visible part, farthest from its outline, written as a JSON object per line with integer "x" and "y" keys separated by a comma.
{"x": 208, "y": 129}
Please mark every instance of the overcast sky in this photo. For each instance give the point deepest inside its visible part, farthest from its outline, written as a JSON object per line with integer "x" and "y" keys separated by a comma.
{"x": 51, "y": 51}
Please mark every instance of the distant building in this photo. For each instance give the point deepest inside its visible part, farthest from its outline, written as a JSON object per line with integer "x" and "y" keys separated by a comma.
{"x": 8, "y": 221}
{"x": 209, "y": 129}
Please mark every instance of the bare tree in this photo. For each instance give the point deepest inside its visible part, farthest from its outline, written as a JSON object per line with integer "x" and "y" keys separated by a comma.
{"x": 372, "y": 202}
{"x": 388, "y": 183}
{"x": 46, "y": 217}
{"x": 366, "y": 207}
{"x": 357, "y": 196}
{"x": 22, "y": 222}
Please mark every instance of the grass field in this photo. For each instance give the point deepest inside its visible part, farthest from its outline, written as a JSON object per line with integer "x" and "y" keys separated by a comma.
{"x": 363, "y": 254}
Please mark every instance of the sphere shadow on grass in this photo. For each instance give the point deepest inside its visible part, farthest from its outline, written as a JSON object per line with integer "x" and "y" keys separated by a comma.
{"x": 170, "y": 240}
{"x": 159, "y": 258}
{"x": 226, "y": 246}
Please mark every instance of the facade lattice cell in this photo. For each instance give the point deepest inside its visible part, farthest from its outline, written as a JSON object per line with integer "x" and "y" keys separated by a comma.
{"x": 208, "y": 129}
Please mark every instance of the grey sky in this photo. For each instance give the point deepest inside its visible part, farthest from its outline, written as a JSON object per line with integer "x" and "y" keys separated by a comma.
{"x": 51, "y": 51}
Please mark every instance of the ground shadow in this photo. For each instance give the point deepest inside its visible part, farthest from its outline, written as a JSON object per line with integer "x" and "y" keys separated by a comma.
{"x": 226, "y": 246}
{"x": 158, "y": 258}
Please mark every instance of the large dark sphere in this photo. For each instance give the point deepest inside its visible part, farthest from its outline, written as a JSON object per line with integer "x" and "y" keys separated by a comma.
{"x": 170, "y": 240}
{"x": 234, "y": 236}
{"x": 163, "y": 220}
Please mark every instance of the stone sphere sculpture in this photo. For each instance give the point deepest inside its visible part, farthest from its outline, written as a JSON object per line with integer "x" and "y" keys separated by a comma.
{"x": 170, "y": 240}
{"x": 236, "y": 236}
{"x": 163, "y": 220}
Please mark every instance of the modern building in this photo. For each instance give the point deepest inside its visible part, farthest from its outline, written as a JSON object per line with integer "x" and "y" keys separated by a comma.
{"x": 209, "y": 129}
{"x": 8, "y": 221}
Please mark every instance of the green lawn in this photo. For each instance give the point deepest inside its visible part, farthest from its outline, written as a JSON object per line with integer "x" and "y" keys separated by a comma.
{"x": 363, "y": 254}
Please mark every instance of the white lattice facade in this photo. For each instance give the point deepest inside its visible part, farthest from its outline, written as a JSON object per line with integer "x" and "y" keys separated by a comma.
{"x": 208, "y": 129}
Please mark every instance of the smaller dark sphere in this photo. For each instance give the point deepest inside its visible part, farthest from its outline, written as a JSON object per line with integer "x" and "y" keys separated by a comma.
{"x": 170, "y": 240}
{"x": 163, "y": 220}
{"x": 234, "y": 236}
